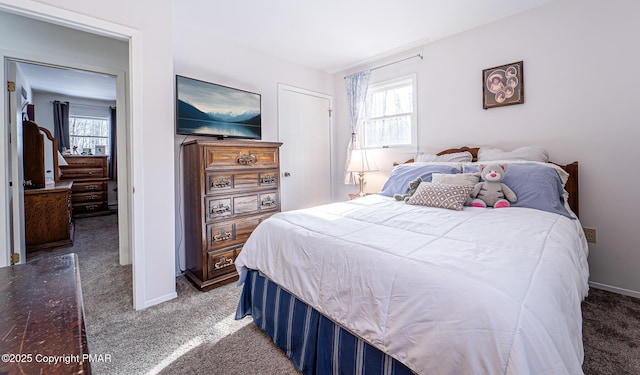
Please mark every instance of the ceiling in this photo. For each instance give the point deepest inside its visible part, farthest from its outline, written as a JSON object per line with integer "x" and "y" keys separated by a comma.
{"x": 334, "y": 35}
{"x": 329, "y": 35}
{"x": 70, "y": 82}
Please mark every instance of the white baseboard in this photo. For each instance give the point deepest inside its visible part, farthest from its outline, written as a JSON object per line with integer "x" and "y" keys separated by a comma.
{"x": 614, "y": 289}
{"x": 161, "y": 299}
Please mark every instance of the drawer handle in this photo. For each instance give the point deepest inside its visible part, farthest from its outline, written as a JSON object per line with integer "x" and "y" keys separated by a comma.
{"x": 223, "y": 263}
{"x": 221, "y": 183}
{"x": 92, "y": 207}
{"x": 222, "y": 236}
{"x": 268, "y": 202}
{"x": 91, "y": 187}
{"x": 93, "y": 197}
{"x": 268, "y": 179}
{"x": 246, "y": 159}
{"x": 220, "y": 209}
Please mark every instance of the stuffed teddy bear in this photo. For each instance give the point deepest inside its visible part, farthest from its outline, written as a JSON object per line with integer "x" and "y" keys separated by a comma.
{"x": 413, "y": 186}
{"x": 492, "y": 192}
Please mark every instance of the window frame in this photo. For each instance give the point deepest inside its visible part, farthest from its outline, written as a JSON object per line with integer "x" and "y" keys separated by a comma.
{"x": 390, "y": 84}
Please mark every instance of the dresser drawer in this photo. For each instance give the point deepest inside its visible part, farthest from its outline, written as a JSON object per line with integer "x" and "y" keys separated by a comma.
{"x": 229, "y": 233}
{"x": 222, "y": 262}
{"x": 222, "y": 208}
{"x": 83, "y": 187}
{"x": 85, "y": 162}
{"x": 240, "y": 157}
{"x": 89, "y": 207}
{"x": 221, "y": 182}
{"x": 79, "y": 173}
{"x": 95, "y": 196}
{"x": 218, "y": 208}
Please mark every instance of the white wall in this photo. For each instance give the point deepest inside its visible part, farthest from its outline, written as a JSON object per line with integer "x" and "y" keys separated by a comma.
{"x": 582, "y": 102}
{"x": 152, "y": 159}
{"x": 219, "y": 61}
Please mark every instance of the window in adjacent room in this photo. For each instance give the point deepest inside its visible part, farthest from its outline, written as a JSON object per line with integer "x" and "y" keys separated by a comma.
{"x": 87, "y": 132}
{"x": 389, "y": 114}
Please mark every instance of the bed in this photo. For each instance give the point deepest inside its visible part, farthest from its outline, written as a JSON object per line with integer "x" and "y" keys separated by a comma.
{"x": 379, "y": 286}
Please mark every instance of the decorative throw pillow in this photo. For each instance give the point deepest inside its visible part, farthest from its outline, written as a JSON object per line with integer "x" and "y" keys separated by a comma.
{"x": 447, "y": 196}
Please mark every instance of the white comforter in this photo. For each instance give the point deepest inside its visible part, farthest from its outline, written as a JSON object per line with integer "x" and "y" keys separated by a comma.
{"x": 478, "y": 291}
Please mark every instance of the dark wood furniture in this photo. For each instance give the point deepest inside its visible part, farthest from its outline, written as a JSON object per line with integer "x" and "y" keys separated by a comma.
{"x": 33, "y": 145}
{"x": 43, "y": 317}
{"x": 230, "y": 187}
{"x": 571, "y": 186}
{"x": 47, "y": 216}
{"x": 90, "y": 176}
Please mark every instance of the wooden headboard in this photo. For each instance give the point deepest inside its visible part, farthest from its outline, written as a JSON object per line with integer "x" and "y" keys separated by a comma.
{"x": 572, "y": 183}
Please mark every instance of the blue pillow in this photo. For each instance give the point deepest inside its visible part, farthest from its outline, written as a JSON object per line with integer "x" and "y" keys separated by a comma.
{"x": 398, "y": 182}
{"x": 536, "y": 186}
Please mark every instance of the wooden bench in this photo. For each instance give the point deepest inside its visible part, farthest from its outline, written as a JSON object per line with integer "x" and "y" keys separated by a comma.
{"x": 42, "y": 328}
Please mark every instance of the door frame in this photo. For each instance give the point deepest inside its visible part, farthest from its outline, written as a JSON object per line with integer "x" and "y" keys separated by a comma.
{"x": 128, "y": 166}
{"x": 13, "y": 160}
{"x": 123, "y": 204}
{"x": 285, "y": 87}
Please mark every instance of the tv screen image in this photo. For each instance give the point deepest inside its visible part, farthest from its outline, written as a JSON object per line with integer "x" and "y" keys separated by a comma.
{"x": 210, "y": 109}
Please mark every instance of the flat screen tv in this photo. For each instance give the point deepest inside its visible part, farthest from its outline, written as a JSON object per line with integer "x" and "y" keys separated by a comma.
{"x": 209, "y": 109}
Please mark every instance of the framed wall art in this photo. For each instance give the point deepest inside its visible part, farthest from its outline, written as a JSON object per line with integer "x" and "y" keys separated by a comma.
{"x": 503, "y": 85}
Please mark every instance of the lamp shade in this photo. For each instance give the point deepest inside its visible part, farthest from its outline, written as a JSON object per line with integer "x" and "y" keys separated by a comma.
{"x": 361, "y": 162}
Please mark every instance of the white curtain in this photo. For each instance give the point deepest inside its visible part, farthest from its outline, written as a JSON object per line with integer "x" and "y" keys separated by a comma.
{"x": 357, "y": 85}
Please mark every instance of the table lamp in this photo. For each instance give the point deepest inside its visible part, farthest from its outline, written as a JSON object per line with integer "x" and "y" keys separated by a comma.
{"x": 361, "y": 164}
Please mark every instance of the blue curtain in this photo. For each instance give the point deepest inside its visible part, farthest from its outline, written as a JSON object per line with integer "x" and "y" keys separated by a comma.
{"x": 61, "y": 124}
{"x": 357, "y": 85}
{"x": 113, "y": 156}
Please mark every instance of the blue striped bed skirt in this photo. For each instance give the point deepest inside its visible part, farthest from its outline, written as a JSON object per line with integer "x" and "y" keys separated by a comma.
{"x": 315, "y": 344}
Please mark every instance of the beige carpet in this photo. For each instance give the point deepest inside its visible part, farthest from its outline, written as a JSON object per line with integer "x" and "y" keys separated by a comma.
{"x": 196, "y": 333}
{"x": 193, "y": 334}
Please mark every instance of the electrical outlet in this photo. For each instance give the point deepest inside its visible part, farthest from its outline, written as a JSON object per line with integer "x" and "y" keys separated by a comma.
{"x": 590, "y": 233}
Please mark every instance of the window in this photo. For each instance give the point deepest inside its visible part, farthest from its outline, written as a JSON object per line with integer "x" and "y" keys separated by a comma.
{"x": 389, "y": 117}
{"x": 87, "y": 132}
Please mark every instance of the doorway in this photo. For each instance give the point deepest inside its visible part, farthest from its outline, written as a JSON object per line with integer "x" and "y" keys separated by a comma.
{"x": 130, "y": 97}
{"x": 88, "y": 100}
{"x": 304, "y": 128}
{"x": 113, "y": 54}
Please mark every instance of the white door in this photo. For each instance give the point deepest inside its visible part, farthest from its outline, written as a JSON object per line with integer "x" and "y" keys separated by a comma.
{"x": 16, "y": 192}
{"x": 304, "y": 128}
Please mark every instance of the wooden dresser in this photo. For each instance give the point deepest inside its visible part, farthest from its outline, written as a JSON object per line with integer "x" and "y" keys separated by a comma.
{"x": 47, "y": 216}
{"x": 230, "y": 187}
{"x": 90, "y": 176}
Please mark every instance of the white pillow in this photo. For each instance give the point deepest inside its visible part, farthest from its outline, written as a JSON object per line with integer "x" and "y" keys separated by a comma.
{"x": 529, "y": 153}
{"x": 462, "y": 157}
{"x": 470, "y": 179}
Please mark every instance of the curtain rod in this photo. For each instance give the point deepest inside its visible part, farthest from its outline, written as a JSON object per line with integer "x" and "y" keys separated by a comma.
{"x": 84, "y": 105}
{"x": 397, "y": 61}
